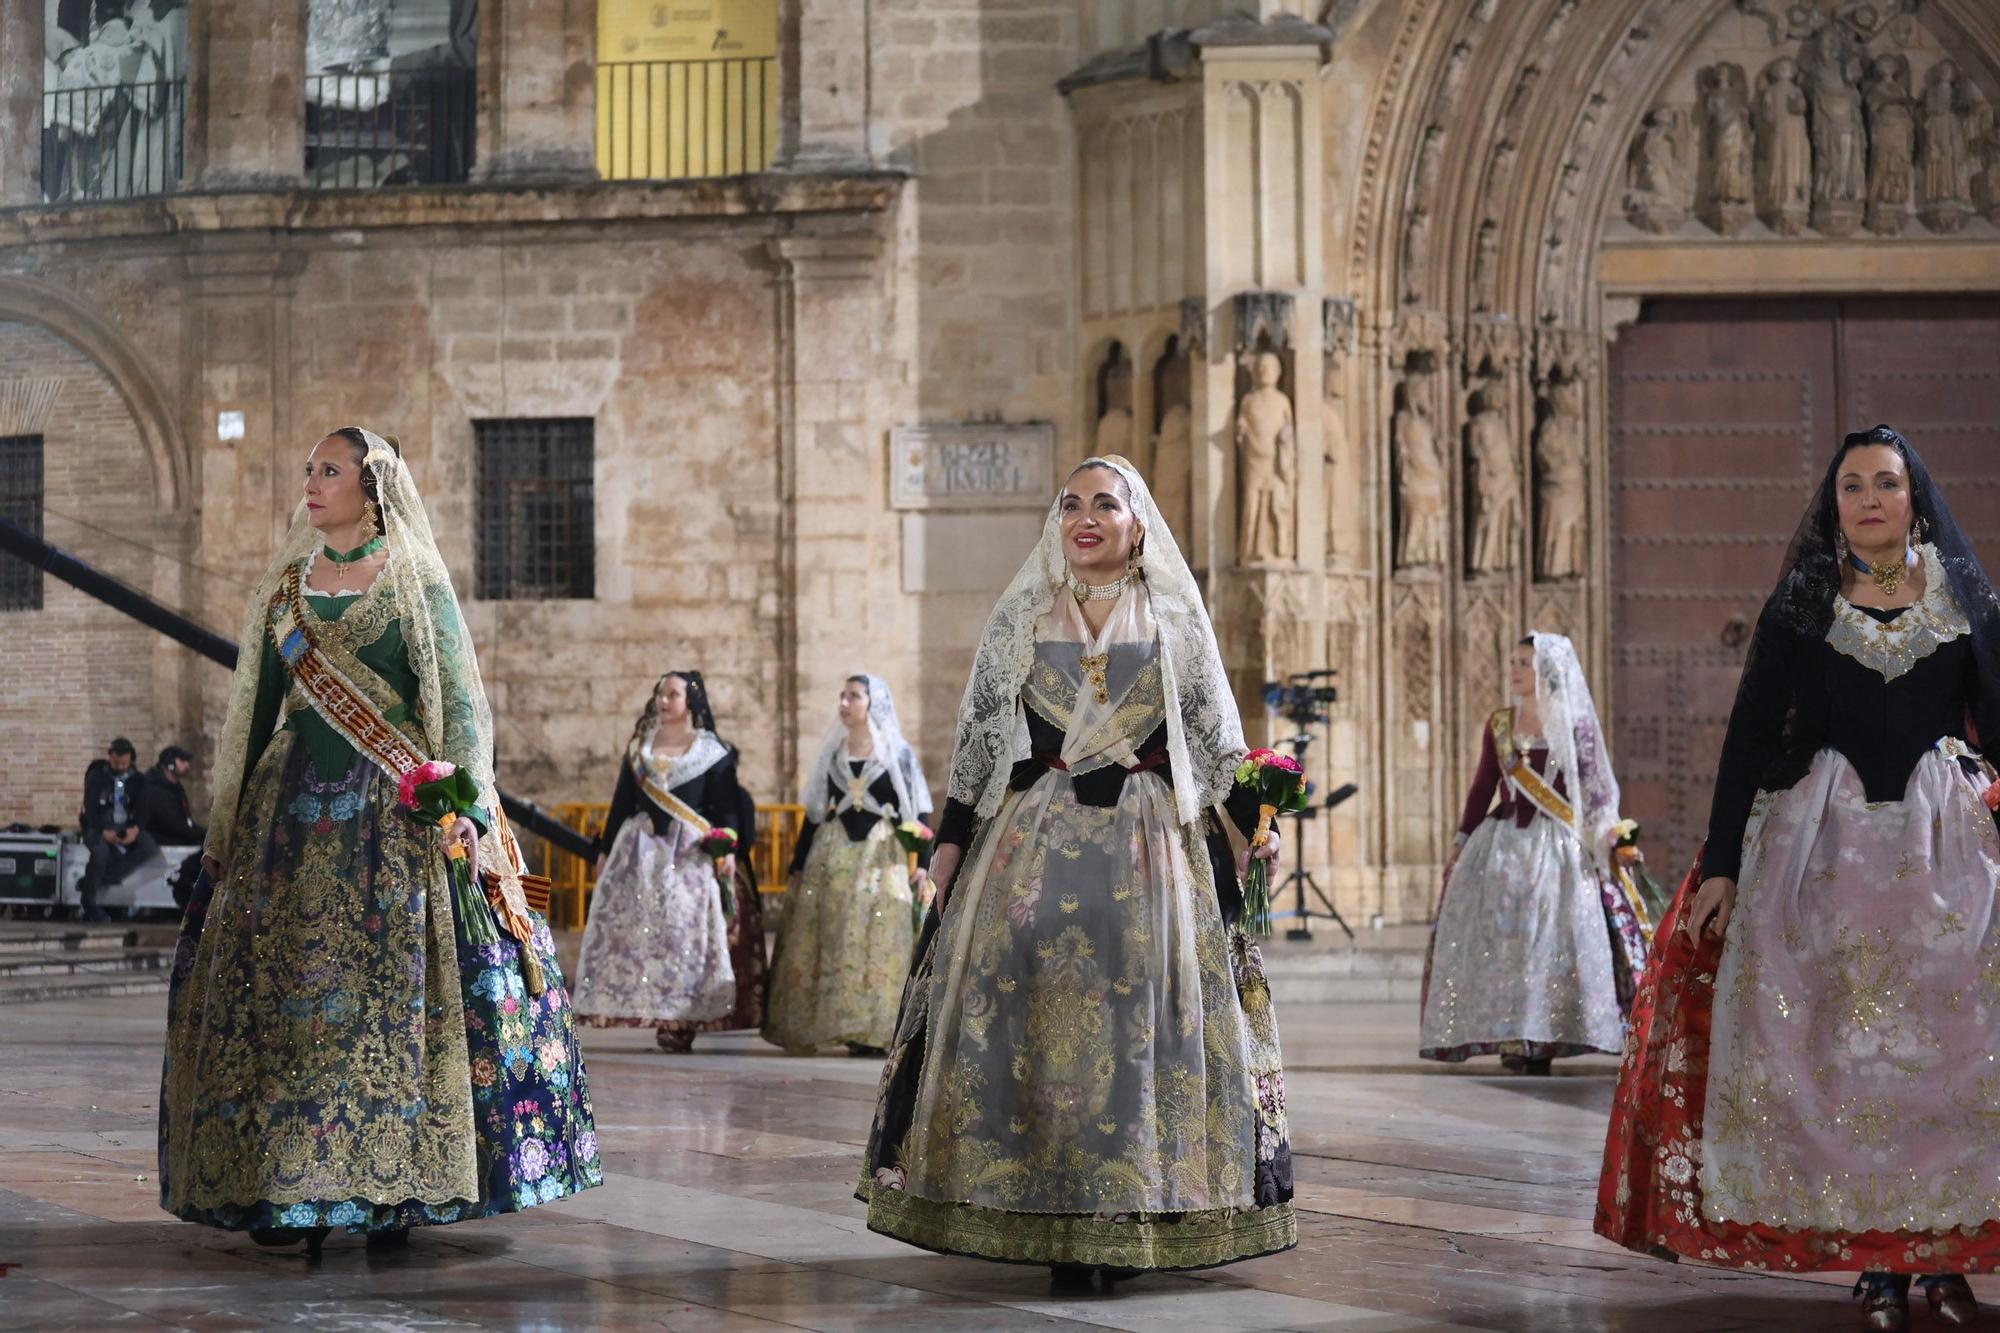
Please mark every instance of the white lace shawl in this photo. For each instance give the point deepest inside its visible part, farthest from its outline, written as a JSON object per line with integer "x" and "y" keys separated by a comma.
{"x": 1576, "y": 742}
{"x": 892, "y": 755}
{"x": 1204, "y": 733}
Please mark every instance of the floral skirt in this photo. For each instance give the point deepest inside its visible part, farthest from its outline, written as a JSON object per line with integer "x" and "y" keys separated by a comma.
{"x": 1086, "y": 1067}
{"x": 1529, "y": 951}
{"x": 1816, "y": 1091}
{"x": 844, "y": 946}
{"x": 339, "y": 1052}
{"x": 656, "y": 949}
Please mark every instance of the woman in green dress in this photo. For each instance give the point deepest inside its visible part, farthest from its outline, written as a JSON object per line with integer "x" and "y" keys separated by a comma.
{"x": 359, "y": 1037}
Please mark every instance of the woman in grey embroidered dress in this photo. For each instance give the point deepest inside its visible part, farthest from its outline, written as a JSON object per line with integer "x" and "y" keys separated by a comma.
{"x": 1537, "y": 949}
{"x": 844, "y": 944}
{"x": 656, "y": 950}
{"x": 1086, "y": 1069}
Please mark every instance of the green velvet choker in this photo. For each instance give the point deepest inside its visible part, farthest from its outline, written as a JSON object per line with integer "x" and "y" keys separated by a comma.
{"x": 361, "y": 552}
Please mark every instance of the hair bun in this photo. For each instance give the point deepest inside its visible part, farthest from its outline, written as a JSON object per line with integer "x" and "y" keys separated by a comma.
{"x": 393, "y": 443}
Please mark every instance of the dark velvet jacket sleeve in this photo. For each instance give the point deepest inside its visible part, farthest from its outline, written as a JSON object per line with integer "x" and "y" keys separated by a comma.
{"x": 721, "y": 795}
{"x": 954, "y": 829}
{"x": 1756, "y": 730}
{"x": 807, "y": 832}
{"x": 624, "y": 803}
{"x": 1485, "y": 781}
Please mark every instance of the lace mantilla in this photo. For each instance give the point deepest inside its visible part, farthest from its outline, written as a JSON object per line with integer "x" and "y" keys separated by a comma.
{"x": 705, "y": 753}
{"x": 1893, "y": 647}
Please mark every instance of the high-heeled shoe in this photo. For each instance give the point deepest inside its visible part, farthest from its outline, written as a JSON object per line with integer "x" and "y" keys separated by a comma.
{"x": 393, "y": 1238}
{"x": 1951, "y": 1298}
{"x": 1070, "y": 1277}
{"x": 279, "y": 1237}
{"x": 1885, "y": 1301}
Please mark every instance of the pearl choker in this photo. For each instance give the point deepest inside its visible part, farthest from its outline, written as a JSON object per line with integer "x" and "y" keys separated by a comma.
{"x": 1093, "y": 592}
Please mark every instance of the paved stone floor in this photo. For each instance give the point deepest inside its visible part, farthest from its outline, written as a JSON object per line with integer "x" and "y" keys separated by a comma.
{"x": 1429, "y": 1198}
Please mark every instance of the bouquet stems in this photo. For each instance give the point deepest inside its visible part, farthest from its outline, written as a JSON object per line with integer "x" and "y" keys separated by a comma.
{"x": 1257, "y": 879}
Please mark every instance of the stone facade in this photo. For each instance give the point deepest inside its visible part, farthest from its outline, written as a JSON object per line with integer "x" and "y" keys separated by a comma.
{"x": 982, "y": 210}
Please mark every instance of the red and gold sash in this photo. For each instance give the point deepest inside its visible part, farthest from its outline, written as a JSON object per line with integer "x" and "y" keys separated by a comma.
{"x": 1523, "y": 775}
{"x": 341, "y": 703}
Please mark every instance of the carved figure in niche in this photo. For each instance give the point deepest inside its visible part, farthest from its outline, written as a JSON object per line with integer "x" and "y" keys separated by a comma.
{"x": 1945, "y": 158}
{"x": 1173, "y": 469}
{"x": 1340, "y": 533}
{"x": 1656, "y": 200}
{"x": 1892, "y": 144}
{"x": 1784, "y": 149}
{"x": 1172, "y": 473}
{"x": 1420, "y": 480}
{"x": 1416, "y": 256}
{"x": 1839, "y": 170}
{"x": 1500, "y": 174}
{"x": 1725, "y": 146}
{"x": 1496, "y": 485}
{"x": 1561, "y": 534}
{"x": 1267, "y": 468}
{"x": 1424, "y": 179}
{"x": 1113, "y": 431}
{"x": 1486, "y": 266}
{"x": 1454, "y": 74}
{"x": 1983, "y": 132}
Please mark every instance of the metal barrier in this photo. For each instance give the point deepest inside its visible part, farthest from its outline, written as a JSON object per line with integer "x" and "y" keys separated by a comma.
{"x": 669, "y": 119}
{"x": 571, "y": 878}
{"x": 119, "y": 141}
{"x": 398, "y": 127}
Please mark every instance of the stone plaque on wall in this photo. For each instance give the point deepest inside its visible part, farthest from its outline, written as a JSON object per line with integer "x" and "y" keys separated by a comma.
{"x": 1007, "y": 465}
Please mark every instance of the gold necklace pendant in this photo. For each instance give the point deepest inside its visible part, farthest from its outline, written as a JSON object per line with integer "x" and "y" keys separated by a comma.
{"x": 1889, "y": 577}
{"x": 1094, "y": 666}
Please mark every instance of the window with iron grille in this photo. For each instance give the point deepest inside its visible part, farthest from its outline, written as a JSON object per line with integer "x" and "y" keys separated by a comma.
{"x": 21, "y": 505}
{"x": 537, "y": 528}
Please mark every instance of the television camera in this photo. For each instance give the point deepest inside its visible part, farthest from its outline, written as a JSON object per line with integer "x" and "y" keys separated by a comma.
{"x": 1301, "y": 699}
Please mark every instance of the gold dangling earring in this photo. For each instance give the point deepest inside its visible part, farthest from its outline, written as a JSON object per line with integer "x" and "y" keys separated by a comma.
{"x": 371, "y": 526}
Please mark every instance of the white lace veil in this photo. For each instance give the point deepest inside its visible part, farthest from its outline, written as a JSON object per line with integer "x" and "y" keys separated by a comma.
{"x": 455, "y": 721}
{"x": 1204, "y": 733}
{"x": 892, "y": 754}
{"x": 1576, "y": 741}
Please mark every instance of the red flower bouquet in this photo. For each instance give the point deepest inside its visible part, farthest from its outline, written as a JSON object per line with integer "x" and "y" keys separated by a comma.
{"x": 1280, "y": 784}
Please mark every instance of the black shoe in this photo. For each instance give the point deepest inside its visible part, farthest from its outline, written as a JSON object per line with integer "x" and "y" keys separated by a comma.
{"x": 1112, "y": 1275}
{"x": 279, "y": 1237}
{"x": 1885, "y": 1301}
{"x": 1538, "y": 1068}
{"x": 394, "y": 1238}
{"x": 1071, "y": 1277}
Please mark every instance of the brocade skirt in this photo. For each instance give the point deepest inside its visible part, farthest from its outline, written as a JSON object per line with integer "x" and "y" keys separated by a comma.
{"x": 844, "y": 944}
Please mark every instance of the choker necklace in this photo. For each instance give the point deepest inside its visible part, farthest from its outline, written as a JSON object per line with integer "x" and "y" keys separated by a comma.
{"x": 361, "y": 552}
{"x": 1889, "y": 576}
{"x": 1092, "y": 592}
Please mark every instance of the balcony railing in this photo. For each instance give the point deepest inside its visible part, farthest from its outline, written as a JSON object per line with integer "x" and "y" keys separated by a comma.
{"x": 116, "y": 142}
{"x": 399, "y": 127}
{"x": 668, "y": 119}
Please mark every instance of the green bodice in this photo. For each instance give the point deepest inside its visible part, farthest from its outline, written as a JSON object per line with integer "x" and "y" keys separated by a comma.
{"x": 331, "y": 753}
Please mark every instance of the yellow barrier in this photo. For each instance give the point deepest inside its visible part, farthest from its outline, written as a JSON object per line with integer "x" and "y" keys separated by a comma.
{"x": 571, "y": 879}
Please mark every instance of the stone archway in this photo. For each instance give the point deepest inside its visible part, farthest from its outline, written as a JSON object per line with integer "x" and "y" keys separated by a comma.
{"x": 1488, "y": 249}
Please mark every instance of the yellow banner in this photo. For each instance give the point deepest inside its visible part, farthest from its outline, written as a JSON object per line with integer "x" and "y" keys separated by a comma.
{"x": 686, "y": 87}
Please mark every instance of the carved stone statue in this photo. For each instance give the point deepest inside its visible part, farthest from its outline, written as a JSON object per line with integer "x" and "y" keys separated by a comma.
{"x": 1656, "y": 200}
{"x": 1416, "y": 256}
{"x": 1725, "y": 147}
{"x": 1945, "y": 159}
{"x": 1892, "y": 144}
{"x": 1784, "y": 149}
{"x": 1267, "y": 468}
{"x": 1983, "y": 135}
{"x": 1838, "y": 142}
{"x": 1496, "y": 487}
{"x": 1114, "y": 433}
{"x": 1172, "y": 477}
{"x": 1486, "y": 266}
{"x": 1423, "y": 181}
{"x": 1420, "y": 480}
{"x": 1561, "y": 533}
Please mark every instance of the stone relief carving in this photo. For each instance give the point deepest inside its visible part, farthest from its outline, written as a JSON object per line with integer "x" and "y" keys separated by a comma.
{"x": 1421, "y": 495}
{"x": 1496, "y": 485}
{"x": 1424, "y": 178}
{"x": 1725, "y": 144}
{"x": 1560, "y": 502}
{"x": 1892, "y": 144}
{"x": 1172, "y": 475}
{"x": 1267, "y": 468}
{"x": 1263, "y": 318}
{"x": 1784, "y": 149}
{"x": 1486, "y": 266}
{"x": 1194, "y": 325}
{"x": 1944, "y": 150}
{"x": 1416, "y": 256}
{"x": 1656, "y": 199}
{"x": 1413, "y": 632}
{"x": 1336, "y": 332}
{"x": 1833, "y": 78}
{"x": 1986, "y": 177}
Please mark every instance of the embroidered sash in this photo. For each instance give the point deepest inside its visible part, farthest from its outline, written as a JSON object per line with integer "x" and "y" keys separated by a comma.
{"x": 1523, "y": 775}
{"x": 657, "y": 793}
{"x": 343, "y": 704}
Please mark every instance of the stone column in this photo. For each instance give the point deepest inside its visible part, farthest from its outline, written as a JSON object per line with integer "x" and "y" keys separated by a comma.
{"x": 20, "y": 105}
{"x": 823, "y": 85}
{"x": 537, "y": 91}
{"x": 246, "y": 98}
{"x": 828, "y": 483}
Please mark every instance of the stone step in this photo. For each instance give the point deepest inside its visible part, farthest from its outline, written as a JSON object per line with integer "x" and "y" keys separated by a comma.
{"x": 57, "y": 937}
{"x": 1343, "y": 975}
{"x": 30, "y": 990}
{"x": 79, "y": 962}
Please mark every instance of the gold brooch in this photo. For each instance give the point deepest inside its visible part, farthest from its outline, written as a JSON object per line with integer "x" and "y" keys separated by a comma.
{"x": 1094, "y": 666}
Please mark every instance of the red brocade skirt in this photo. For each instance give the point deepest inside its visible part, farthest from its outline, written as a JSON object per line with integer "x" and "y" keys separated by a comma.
{"x": 1649, "y": 1195}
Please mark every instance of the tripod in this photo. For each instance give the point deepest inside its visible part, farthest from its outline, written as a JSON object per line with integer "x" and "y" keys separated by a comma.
{"x": 1301, "y": 880}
